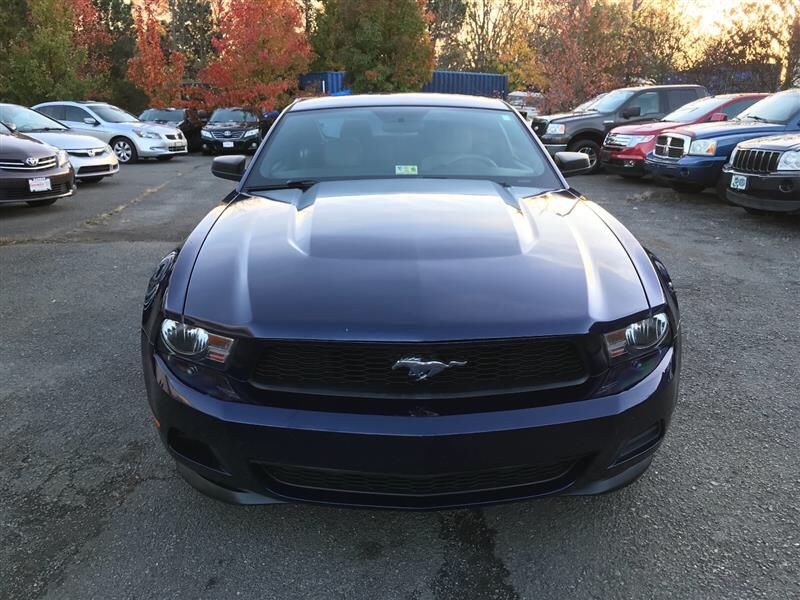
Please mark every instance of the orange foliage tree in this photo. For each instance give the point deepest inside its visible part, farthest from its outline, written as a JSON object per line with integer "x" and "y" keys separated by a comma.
{"x": 157, "y": 71}
{"x": 261, "y": 49}
{"x": 93, "y": 35}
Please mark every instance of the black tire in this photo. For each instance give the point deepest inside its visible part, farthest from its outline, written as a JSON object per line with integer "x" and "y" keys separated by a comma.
{"x": 687, "y": 188}
{"x": 39, "y": 203}
{"x": 125, "y": 150}
{"x": 756, "y": 211}
{"x": 91, "y": 179}
{"x": 590, "y": 148}
{"x": 165, "y": 158}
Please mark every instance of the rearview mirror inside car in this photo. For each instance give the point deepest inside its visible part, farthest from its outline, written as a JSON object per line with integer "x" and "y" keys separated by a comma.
{"x": 572, "y": 163}
{"x": 633, "y": 111}
{"x": 90, "y": 121}
{"x": 718, "y": 116}
{"x": 229, "y": 167}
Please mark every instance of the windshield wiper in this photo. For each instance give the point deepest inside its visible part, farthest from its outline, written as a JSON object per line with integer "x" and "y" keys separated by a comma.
{"x": 45, "y": 129}
{"x": 292, "y": 184}
{"x": 755, "y": 118}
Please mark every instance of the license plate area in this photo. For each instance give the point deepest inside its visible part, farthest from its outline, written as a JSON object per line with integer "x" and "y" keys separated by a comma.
{"x": 227, "y": 144}
{"x": 40, "y": 184}
{"x": 738, "y": 182}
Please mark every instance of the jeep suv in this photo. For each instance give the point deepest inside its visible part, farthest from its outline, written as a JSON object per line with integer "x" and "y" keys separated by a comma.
{"x": 584, "y": 130}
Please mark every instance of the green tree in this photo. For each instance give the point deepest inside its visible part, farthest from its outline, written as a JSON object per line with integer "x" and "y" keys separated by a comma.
{"x": 190, "y": 31}
{"x": 383, "y": 45}
{"x": 13, "y": 22}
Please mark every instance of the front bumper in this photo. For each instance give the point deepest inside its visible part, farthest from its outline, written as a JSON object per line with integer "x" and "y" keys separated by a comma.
{"x": 246, "y": 453}
{"x": 620, "y": 163}
{"x": 699, "y": 170}
{"x": 219, "y": 146}
{"x": 773, "y": 193}
{"x": 152, "y": 148}
{"x": 17, "y": 189}
{"x": 103, "y": 165}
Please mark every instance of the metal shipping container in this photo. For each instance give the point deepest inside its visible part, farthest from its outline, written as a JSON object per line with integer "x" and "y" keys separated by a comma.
{"x": 475, "y": 84}
{"x": 324, "y": 82}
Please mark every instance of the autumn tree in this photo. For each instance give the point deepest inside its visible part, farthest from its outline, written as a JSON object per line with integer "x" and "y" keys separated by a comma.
{"x": 445, "y": 22}
{"x": 190, "y": 30}
{"x": 261, "y": 49}
{"x": 658, "y": 42}
{"x": 154, "y": 69}
{"x": 383, "y": 45}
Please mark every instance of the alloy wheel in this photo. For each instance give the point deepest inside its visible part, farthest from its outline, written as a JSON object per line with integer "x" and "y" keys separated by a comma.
{"x": 123, "y": 150}
{"x": 591, "y": 153}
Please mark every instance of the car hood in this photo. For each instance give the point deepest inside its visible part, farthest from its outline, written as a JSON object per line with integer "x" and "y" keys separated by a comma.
{"x": 411, "y": 260}
{"x": 66, "y": 140}
{"x": 728, "y": 128}
{"x": 790, "y": 141}
{"x": 146, "y": 126}
{"x": 232, "y": 125}
{"x": 20, "y": 147}
{"x": 568, "y": 116}
{"x": 645, "y": 128}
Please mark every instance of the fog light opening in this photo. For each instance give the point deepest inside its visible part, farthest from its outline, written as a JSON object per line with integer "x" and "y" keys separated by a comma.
{"x": 193, "y": 450}
{"x": 786, "y": 186}
{"x": 638, "y": 445}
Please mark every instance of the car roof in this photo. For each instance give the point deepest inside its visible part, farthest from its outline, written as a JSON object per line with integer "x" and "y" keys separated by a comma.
{"x": 411, "y": 99}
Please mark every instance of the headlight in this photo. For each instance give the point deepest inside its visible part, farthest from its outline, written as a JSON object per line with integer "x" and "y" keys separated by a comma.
{"x": 195, "y": 342}
{"x": 206, "y": 134}
{"x": 151, "y": 135}
{"x": 556, "y": 129}
{"x": 635, "y": 140}
{"x": 251, "y": 132}
{"x": 63, "y": 158}
{"x": 637, "y": 337}
{"x": 703, "y": 147}
{"x": 789, "y": 161}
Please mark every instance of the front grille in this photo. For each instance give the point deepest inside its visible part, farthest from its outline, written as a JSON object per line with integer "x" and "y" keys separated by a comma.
{"x": 234, "y": 135}
{"x": 21, "y": 191}
{"x": 671, "y": 146}
{"x": 20, "y": 165}
{"x": 366, "y": 368}
{"x": 94, "y": 169}
{"x": 87, "y": 153}
{"x": 756, "y": 161}
{"x": 415, "y": 485}
{"x": 176, "y": 148}
{"x": 617, "y": 140}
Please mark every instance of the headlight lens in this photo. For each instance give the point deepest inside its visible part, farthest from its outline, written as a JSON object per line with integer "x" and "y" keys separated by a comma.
{"x": 251, "y": 132}
{"x": 147, "y": 134}
{"x": 556, "y": 129}
{"x": 703, "y": 147}
{"x": 195, "y": 342}
{"x": 789, "y": 161}
{"x": 206, "y": 134}
{"x": 63, "y": 158}
{"x": 635, "y": 140}
{"x": 637, "y": 337}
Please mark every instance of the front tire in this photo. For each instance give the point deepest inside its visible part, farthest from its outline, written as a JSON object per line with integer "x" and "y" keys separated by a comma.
{"x": 39, "y": 203}
{"x": 125, "y": 150}
{"x": 590, "y": 149}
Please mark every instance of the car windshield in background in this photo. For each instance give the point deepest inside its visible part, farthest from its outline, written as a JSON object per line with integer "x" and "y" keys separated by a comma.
{"x": 27, "y": 120}
{"x": 774, "y": 109}
{"x": 694, "y": 110}
{"x": 154, "y": 114}
{"x": 402, "y": 142}
{"x": 112, "y": 114}
{"x": 228, "y": 115}
{"x": 589, "y": 103}
{"x": 611, "y": 101}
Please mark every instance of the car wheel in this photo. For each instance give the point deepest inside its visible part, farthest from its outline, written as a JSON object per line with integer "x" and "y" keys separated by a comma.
{"x": 590, "y": 149}
{"x": 687, "y": 188}
{"x": 91, "y": 179}
{"x": 125, "y": 150}
{"x": 38, "y": 203}
{"x": 164, "y": 158}
{"x": 756, "y": 211}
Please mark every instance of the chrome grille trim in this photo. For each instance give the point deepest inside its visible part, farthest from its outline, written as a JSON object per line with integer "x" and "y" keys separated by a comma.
{"x": 672, "y": 145}
{"x": 19, "y": 165}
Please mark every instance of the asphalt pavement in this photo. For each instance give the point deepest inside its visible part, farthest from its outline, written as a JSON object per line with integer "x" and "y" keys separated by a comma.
{"x": 91, "y": 505}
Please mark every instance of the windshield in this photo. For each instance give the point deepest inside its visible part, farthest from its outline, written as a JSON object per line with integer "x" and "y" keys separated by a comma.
{"x": 775, "y": 109}
{"x": 588, "y": 103}
{"x": 611, "y": 101}
{"x": 231, "y": 115}
{"x": 694, "y": 110}
{"x": 402, "y": 142}
{"x": 155, "y": 114}
{"x": 112, "y": 114}
{"x": 28, "y": 120}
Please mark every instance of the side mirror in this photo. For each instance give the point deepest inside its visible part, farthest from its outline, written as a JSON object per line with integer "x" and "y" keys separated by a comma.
{"x": 572, "y": 163}
{"x": 91, "y": 121}
{"x": 718, "y": 116}
{"x": 633, "y": 111}
{"x": 229, "y": 167}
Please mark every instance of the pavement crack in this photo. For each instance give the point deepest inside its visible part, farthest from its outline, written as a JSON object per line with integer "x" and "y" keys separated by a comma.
{"x": 471, "y": 569}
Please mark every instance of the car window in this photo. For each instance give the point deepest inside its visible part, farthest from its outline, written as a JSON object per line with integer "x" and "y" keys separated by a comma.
{"x": 112, "y": 114}
{"x": 402, "y": 142}
{"x": 610, "y": 101}
{"x": 694, "y": 110}
{"x": 154, "y": 114}
{"x": 28, "y": 120}
{"x": 75, "y": 114}
{"x": 55, "y": 111}
{"x": 778, "y": 108}
{"x": 734, "y": 108}
{"x": 648, "y": 102}
{"x": 678, "y": 98}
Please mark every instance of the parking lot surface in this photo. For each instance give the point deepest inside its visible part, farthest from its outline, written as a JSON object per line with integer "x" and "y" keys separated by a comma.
{"x": 92, "y": 507}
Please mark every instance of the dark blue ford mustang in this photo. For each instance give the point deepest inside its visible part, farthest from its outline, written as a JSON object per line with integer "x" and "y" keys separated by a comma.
{"x": 404, "y": 305}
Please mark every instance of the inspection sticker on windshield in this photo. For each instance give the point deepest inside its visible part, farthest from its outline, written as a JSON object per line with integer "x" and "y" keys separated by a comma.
{"x": 405, "y": 170}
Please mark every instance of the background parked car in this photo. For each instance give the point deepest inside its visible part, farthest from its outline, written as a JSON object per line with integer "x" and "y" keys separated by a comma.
{"x": 32, "y": 171}
{"x": 92, "y": 160}
{"x": 626, "y": 147}
{"x": 234, "y": 129}
{"x": 128, "y": 136}
{"x": 690, "y": 158}
{"x": 185, "y": 119}
{"x": 584, "y": 130}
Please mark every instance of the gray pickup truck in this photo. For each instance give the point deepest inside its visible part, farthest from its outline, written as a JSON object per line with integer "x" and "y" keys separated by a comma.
{"x": 583, "y": 129}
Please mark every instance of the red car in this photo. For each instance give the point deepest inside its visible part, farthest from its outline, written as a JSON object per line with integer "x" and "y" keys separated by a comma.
{"x": 625, "y": 147}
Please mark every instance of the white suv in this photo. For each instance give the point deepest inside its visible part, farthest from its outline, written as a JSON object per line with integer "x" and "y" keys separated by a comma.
{"x": 128, "y": 136}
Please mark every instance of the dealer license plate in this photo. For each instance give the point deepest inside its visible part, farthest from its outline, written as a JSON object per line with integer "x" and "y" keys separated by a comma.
{"x": 227, "y": 144}
{"x": 40, "y": 184}
{"x": 738, "y": 182}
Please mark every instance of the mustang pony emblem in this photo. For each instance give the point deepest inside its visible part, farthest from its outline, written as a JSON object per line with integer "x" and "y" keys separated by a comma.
{"x": 420, "y": 370}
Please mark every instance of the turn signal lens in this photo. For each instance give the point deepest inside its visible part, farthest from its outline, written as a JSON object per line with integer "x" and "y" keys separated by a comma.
{"x": 639, "y": 336}
{"x": 195, "y": 342}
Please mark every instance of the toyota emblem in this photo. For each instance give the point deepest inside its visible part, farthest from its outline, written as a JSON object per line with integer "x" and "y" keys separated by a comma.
{"x": 32, "y": 161}
{"x": 227, "y": 134}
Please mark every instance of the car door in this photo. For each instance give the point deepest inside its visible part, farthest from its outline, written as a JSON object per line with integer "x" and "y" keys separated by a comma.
{"x": 652, "y": 106}
{"x": 75, "y": 117}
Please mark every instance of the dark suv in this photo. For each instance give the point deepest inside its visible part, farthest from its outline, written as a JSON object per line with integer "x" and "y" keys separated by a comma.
{"x": 583, "y": 130}
{"x": 234, "y": 130}
{"x": 185, "y": 119}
